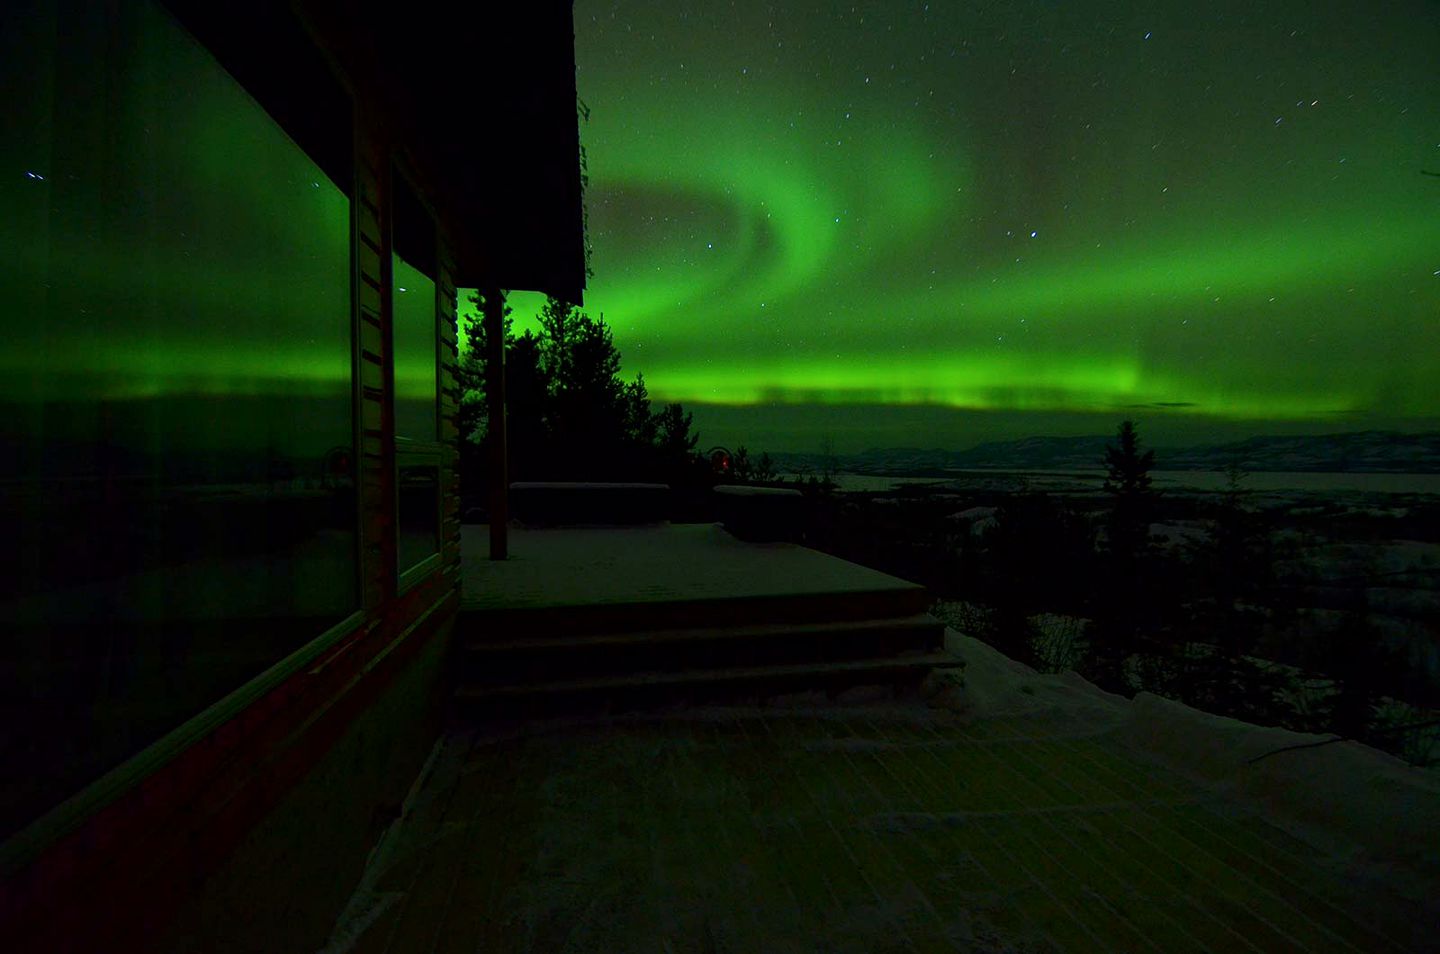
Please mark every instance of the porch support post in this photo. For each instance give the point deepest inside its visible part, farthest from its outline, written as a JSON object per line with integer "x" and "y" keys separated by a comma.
{"x": 494, "y": 317}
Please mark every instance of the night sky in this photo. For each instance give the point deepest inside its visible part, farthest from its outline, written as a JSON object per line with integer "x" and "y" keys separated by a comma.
{"x": 907, "y": 223}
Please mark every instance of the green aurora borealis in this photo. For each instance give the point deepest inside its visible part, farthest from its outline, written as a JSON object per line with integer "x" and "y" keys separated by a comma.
{"x": 892, "y": 224}
{"x": 901, "y": 223}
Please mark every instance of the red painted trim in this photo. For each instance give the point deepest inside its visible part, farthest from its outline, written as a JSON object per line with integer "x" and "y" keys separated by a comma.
{"x": 120, "y": 878}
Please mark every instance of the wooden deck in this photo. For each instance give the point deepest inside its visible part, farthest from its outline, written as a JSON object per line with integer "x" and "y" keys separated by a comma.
{"x": 812, "y": 825}
{"x": 862, "y": 828}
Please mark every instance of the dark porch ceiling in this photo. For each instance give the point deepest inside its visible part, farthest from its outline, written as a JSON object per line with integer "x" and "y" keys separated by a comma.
{"x": 479, "y": 98}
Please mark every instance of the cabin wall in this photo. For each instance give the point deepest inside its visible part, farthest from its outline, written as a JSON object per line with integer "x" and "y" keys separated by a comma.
{"x": 291, "y": 874}
{"x": 246, "y": 827}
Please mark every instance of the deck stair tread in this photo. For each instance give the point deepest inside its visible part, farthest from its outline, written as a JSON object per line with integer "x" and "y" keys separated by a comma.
{"x": 890, "y": 666}
{"x": 560, "y": 620}
{"x": 644, "y": 637}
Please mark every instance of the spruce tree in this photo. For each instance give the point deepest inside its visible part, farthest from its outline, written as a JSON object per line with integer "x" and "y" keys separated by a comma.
{"x": 1127, "y": 480}
{"x": 571, "y": 414}
{"x": 1126, "y": 599}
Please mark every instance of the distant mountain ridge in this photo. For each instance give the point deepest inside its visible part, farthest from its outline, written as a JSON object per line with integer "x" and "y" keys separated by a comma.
{"x": 1356, "y": 452}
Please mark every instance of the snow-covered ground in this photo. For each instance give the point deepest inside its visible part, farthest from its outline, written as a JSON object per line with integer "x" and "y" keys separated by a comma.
{"x": 1369, "y": 807}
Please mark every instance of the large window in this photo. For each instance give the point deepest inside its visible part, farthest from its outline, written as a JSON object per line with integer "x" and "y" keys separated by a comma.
{"x": 176, "y": 402}
{"x": 417, "y": 416}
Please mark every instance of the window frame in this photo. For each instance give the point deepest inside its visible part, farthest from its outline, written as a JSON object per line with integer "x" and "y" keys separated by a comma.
{"x": 431, "y": 450}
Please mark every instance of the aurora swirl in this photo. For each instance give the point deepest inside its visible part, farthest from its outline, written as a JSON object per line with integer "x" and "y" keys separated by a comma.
{"x": 1025, "y": 208}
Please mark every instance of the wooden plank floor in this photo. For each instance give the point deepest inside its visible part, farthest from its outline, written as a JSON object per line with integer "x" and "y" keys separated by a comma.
{"x": 884, "y": 828}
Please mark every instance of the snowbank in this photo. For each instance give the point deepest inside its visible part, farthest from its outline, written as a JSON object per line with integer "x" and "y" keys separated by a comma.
{"x": 1368, "y": 805}
{"x": 992, "y": 685}
{"x": 1372, "y": 801}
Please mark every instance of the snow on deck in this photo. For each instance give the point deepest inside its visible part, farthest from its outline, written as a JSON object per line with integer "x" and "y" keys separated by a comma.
{"x": 844, "y": 830}
{"x": 1010, "y": 812}
{"x": 880, "y": 827}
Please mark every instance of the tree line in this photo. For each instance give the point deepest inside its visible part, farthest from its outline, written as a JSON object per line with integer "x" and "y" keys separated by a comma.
{"x": 1194, "y": 624}
{"x": 570, "y": 413}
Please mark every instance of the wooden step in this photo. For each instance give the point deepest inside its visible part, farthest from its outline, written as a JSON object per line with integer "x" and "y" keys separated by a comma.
{"x": 702, "y": 685}
{"x": 544, "y": 659}
{"x": 482, "y": 646}
{"x": 555, "y": 621}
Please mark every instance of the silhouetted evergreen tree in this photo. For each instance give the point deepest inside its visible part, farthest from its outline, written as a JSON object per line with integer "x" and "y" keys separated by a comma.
{"x": 586, "y": 413}
{"x": 570, "y": 414}
{"x": 829, "y": 463}
{"x": 675, "y": 441}
{"x": 1127, "y": 603}
{"x": 471, "y": 416}
{"x": 1127, "y": 480}
{"x": 527, "y": 400}
{"x": 740, "y": 466}
{"x": 642, "y": 424}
